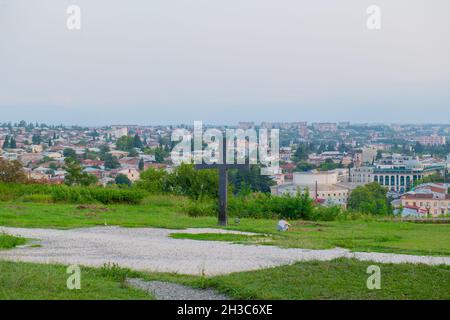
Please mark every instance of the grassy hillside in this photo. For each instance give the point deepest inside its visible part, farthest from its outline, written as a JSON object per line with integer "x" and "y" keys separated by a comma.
{"x": 166, "y": 212}
{"x": 338, "y": 279}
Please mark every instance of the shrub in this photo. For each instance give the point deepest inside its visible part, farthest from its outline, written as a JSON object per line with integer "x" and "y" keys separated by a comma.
{"x": 113, "y": 271}
{"x": 200, "y": 208}
{"x": 370, "y": 199}
{"x": 184, "y": 180}
{"x": 12, "y": 171}
{"x": 7, "y": 241}
{"x": 261, "y": 205}
{"x": 63, "y": 193}
{"x": 325, "y": 213}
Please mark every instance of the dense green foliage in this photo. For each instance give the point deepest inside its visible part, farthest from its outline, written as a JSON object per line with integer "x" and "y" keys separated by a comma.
{"x": 183, "y": 180}
{"x": 434, "y": 178}
{"x": 7, "y": 241}
{"x": 125, "y": 143}
{"x": 63, "y": 193}
{"x": 123, "y": 180}
{"x": 69, "y": 153}
{"x": 247, "y": 181}
{"x": 76, "y": 176}
{"x": 370, "y": 199}
{"x": 197, "y": 184}
{"x": 111, "y": 162}
{"x": 12, "y": 171}
{"x": 329, "y": 165}
{"x": 266, "y": 206}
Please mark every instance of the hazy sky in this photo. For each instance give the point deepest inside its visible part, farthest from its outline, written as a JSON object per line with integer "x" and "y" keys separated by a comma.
{"x": 224, "y": 61}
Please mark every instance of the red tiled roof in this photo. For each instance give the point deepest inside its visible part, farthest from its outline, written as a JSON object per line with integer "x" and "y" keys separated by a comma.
{"x": 433, "y": 189}
{"x": 287, "y": 166}
{"x": 418, "y": 196}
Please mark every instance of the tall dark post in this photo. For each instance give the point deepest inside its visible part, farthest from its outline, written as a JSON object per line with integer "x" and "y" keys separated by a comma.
{"x": 223, "y": 196}
{"x": 223, "y": 181}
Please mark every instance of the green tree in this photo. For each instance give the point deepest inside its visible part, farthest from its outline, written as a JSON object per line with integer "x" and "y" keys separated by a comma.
{"x": 304, "y": 166}
{"x": 123, "y": 180}
{"x": 125, "y": 143}
{"x": 141, "y": 164}
{"x": 137, "y": 142}
{"x": 160, "y": 154}
{"x": 133, "y": 153}
{"x": 36, "y": 139}
{"x": 12, "y": 172}
{"x": 104, "y": 149}
{"x": 111, "y": 161}
{"x": 6, "y": 143}
{"x": 153, "y": 180}
{"x": 302, "y": 152}
{"x": 12, "y": 143}
{"x": 75, "y": 174}
{"x": 371, "y": 199}
{"x": 69, "y": 153}
{"x": 418, "y": 148}
{"x": 185, "y": 180}
{"x": 329, "y": 165}
{"x": 241, "y": 180}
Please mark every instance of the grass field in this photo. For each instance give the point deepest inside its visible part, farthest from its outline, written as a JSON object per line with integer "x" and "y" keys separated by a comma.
{"x": 165, "y": 212}
{"x": 338, "y": 279}
{"x": 26, "y": 281}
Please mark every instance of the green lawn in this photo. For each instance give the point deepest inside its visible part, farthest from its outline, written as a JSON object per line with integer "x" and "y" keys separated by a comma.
{"x": 27, "y": 281}
{"x": 338, "y": 279}
{"x": 165, "y": 212}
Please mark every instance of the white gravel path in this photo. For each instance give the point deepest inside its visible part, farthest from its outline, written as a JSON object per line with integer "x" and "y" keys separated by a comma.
{"x": 151, "y": 249}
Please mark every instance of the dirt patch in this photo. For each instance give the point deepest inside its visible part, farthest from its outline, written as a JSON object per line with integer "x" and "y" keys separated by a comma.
{"x": 307, "y": 223}
{"x": 93, "y": 208}
{"x": 18, "y": 209}
{"x": 91, "y": 215}
{"x": 306, "y": 229}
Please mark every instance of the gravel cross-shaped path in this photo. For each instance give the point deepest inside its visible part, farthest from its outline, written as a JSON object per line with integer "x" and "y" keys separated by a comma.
{"x": 151, "y": 249}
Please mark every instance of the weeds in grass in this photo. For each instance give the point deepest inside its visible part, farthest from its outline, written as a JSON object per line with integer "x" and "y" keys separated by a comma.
{"x": 113, "y": 271}
{"x": 8, "y": 242}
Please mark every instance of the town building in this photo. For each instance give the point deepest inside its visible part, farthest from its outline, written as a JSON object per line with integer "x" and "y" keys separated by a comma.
{"x": 428, "y": 199}
{"x": 325, "y": 126}
{"x": 397, "y": 173}
{"x": 432, "y": 140}
{"x": 327, "y": 187}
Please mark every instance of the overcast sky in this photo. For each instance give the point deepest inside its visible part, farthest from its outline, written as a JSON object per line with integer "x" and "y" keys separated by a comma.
{"x": 224, "y": 61}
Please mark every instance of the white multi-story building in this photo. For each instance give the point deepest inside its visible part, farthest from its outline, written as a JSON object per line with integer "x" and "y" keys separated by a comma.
{"x": 324, "y": 187}
{"x": 119, "y": 132}
{"x": 396, "y": 173}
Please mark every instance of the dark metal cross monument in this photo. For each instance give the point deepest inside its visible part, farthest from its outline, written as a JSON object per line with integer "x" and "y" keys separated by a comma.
{"x": 223, "y": 181}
